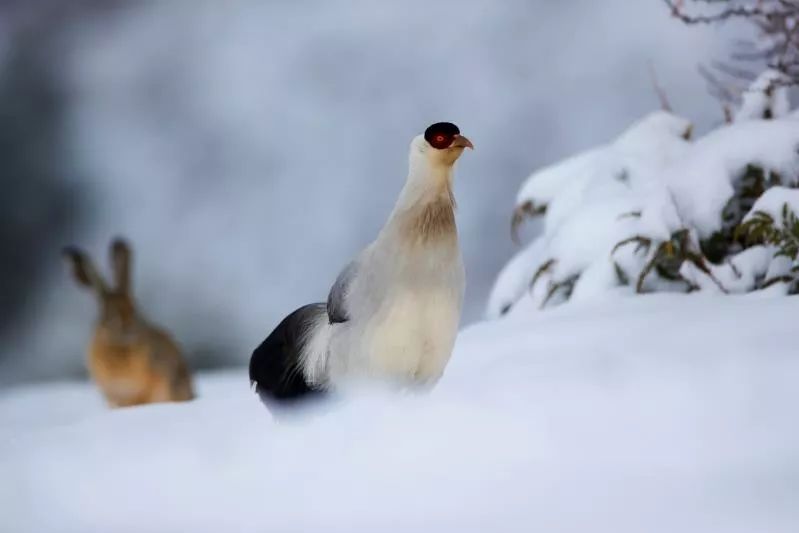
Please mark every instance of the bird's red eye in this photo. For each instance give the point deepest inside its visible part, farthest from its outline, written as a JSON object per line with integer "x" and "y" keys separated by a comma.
{"x": 440, "y": 140}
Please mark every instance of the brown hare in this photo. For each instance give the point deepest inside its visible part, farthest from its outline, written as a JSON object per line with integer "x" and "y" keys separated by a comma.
{"x": 132, "y": 362}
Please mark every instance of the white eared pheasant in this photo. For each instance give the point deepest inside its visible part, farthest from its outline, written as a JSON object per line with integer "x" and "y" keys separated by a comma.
{"x": 393, "y": 312}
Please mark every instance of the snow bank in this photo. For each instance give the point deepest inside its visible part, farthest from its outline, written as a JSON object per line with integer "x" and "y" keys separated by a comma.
{"x": 659, "y": 414}
{"x": 593, "y": 201}
{"x": 704, "y": 181}
{"x": 636, "y": 214}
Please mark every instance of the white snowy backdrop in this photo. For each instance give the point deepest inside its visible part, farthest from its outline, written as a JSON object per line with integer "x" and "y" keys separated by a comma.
{"x": 249, "y": 148}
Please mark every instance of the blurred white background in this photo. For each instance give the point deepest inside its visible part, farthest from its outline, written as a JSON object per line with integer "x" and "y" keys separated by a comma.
{"x": 249, "y": 148}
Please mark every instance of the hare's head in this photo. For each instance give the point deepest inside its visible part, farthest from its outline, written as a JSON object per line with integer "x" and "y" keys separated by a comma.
{"x": 117, "y": 309}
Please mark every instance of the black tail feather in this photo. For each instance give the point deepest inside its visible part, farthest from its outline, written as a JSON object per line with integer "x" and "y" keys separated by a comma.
{"x": 276, "y": 364}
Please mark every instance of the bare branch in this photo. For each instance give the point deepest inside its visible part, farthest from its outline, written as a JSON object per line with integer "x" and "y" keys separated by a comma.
{"x": 526, "y": 210}
{"x": 665, "y": 105}
{"x": 721, "y": 16}
{"x": 776, "y": 23}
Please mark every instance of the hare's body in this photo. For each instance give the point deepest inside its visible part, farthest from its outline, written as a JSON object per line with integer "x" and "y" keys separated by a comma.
{"x": 131, "y": 361}
{"x": 144, "y": 368}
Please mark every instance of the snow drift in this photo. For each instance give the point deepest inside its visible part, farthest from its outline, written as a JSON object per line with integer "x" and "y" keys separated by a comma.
{"x": 660, "y": 414}
{"x": 653, "y": 211}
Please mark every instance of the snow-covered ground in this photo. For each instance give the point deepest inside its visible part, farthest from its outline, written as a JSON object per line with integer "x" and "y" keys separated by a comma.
{"x": 660, "y": 413}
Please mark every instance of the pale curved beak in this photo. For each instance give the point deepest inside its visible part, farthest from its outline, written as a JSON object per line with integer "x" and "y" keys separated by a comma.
{"x": 461, "y": 142}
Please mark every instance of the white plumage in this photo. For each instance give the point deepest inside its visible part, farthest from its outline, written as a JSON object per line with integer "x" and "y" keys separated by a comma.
{"x": 394, "y": 310}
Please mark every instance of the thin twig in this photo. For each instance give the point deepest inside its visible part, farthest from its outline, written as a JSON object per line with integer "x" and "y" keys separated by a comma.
{"x": 665, "y": 105}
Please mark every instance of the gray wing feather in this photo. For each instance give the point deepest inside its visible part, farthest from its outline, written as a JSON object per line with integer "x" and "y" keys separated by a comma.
{"x": 337, "y": 299}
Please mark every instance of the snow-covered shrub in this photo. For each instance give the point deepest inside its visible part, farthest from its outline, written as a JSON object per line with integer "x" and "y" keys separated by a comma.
{"x": 654, "y": 211}
{"x": 773, "y": 222}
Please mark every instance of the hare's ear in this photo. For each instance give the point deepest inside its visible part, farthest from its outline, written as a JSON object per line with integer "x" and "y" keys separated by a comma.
{"x": 120, "y": 263}
{"x": 83, "y": 269}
